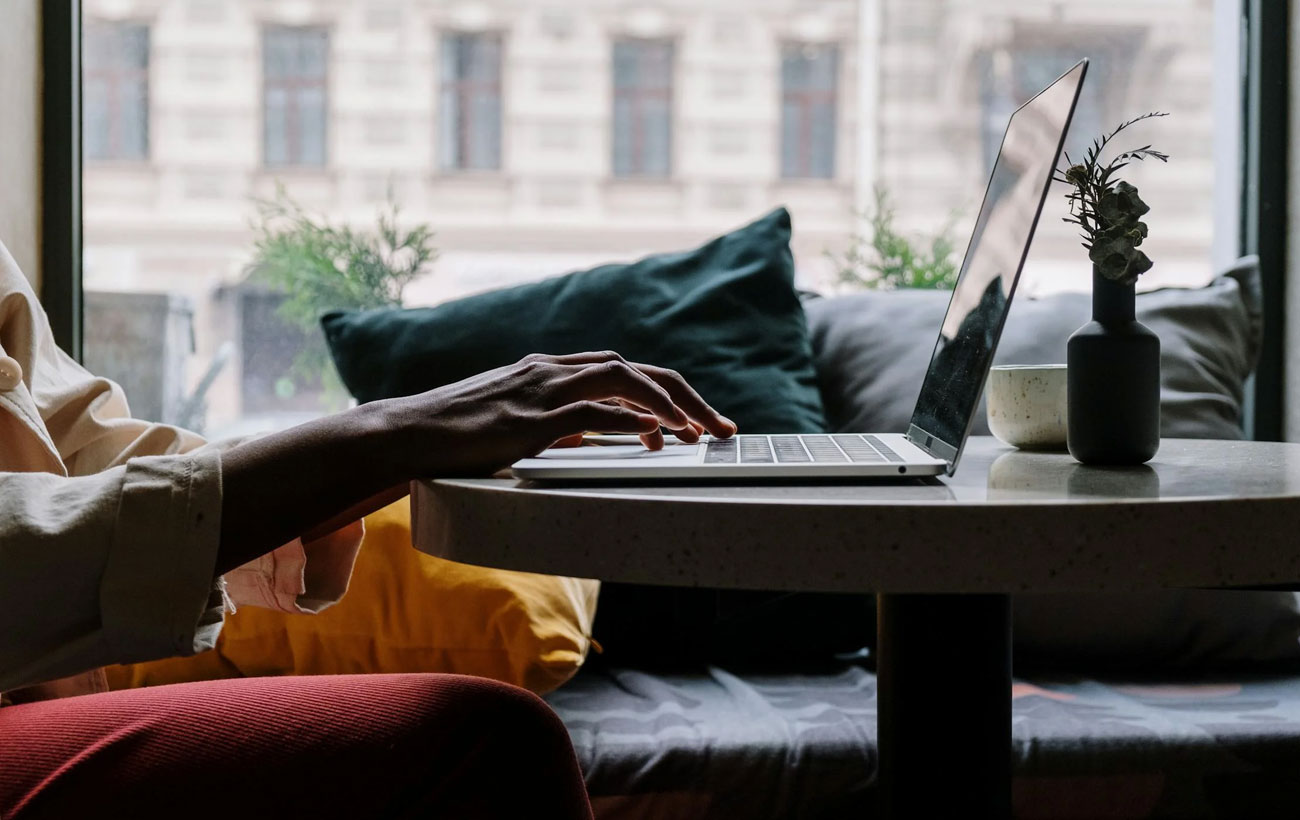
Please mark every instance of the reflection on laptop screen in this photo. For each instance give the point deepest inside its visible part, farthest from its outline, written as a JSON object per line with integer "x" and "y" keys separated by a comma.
{"x": 997, "y": 249}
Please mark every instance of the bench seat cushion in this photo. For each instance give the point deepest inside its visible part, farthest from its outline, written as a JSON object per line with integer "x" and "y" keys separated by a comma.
{"x": 713, "y": 743}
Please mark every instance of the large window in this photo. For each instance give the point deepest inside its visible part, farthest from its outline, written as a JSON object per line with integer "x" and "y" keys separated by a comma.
{"x": 295, "y": 70}
{"x": 809, "y": 88}
{"x": 470, "y": 102}
{"x": 643, "y": 108}
{"x": 116, "y": 87}
{"x": 534, "y": 138}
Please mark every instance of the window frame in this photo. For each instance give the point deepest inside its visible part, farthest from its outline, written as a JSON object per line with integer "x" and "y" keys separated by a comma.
{"x": 1265, "y": 109}
{"x": 61, "y": 163}
{"x": 1265, "y": 116}
{"x": 295, "y": 162}
{"x": 116, "y": 77}
{"x": 440, "y": 86}
{"x": 670, "y": 98}
{"x": 809, "y": 98}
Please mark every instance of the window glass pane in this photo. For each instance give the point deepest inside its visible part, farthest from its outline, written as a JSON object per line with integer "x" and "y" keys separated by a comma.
{"x": 96, "y": 122}
{"x": 623, "y": 137}
{"x": 448, "y": 129}
{"x": 134, "y": 53}
{"x": 277, "y": 54}
{"x": 794, "y": 68}
{"x": 313, "y": 46}
{"x": 669, "y": 125}
{"x": 657, "y": 125}
{"x": 626, "y": 64}
{"x": 485, "y": 144}
{"x": 134, "y": 119}
{"x": 484, "y": 59}
{"x": 311, "y": 122}
{"x": 821, "y": 133}
{"x": 276, "y": 125}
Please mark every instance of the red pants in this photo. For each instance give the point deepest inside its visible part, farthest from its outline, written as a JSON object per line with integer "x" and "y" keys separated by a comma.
{"x": 347, "y": 746}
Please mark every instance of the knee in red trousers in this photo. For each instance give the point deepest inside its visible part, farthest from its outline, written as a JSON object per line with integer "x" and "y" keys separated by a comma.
{"x": 354, "y": 746}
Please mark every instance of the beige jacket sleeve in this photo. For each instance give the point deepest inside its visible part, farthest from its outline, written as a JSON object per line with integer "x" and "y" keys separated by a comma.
{"x": 109, "y": 525}
{"x": 108, "y": 568}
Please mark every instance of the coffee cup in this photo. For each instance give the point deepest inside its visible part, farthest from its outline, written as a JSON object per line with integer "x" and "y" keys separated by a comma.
{"x": 1027, "y": 405}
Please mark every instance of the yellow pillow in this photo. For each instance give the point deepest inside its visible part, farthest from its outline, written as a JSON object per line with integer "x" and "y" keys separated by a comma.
{"x": 405, "y": 612}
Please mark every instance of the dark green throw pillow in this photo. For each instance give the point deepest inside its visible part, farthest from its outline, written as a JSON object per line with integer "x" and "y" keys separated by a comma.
{"x": 725, "y": 315}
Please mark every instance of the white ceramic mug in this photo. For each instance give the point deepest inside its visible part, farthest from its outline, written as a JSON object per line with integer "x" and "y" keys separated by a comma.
{"x": 1027, "y": 406}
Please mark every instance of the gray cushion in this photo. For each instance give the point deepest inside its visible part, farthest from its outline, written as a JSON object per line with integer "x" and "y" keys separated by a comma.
{"x": 731, "y": 744}
{"x": 871, "y": 351}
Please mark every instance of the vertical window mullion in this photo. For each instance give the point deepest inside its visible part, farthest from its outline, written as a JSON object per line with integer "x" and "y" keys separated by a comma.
{"x": 61, "y": 159}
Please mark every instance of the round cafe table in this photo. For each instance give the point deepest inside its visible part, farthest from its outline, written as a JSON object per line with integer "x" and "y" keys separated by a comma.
{"x": 944, "y": 555}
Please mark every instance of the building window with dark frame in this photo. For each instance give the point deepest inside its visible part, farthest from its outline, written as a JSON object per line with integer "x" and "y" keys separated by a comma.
{"x": 642, "y": 134}
{"x": 809, "y": 98}
{"x": 1010, "y": 75}
{"x": 469, "y": 102}
{"x": 116, "y": 91}
{"x": 295, "y": 98}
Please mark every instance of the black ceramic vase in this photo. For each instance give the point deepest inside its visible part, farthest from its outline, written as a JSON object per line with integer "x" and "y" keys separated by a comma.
{"x": 1113, "y": 381}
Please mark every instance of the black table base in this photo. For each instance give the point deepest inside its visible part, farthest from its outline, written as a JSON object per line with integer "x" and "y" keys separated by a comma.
{"x": 944, "y": 699}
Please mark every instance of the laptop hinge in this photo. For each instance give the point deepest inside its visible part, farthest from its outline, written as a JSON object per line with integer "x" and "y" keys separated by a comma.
{"x": 932, "y": 444}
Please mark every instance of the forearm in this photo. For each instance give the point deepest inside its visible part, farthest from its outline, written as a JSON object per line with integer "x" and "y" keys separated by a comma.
{"x": 301, "y": 481}
{"x": 297, "y": 482}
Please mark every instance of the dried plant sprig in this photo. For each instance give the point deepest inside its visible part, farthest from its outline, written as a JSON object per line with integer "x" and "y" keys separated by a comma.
{"x": 1107, "y": 210}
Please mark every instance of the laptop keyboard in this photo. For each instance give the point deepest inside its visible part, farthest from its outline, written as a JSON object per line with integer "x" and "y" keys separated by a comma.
{"x": 839, "y": 448}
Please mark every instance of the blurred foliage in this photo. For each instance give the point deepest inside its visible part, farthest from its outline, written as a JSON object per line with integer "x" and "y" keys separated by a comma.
{"x": 880, "y": 257}
{"x": 1108, "y": 210}
{"x": 320, "y": 267}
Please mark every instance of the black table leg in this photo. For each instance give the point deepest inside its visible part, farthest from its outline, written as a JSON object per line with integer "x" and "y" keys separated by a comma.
{"x": 944, "y": 700}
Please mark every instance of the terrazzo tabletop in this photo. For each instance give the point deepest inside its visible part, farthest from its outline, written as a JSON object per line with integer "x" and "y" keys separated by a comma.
{"x": 1200, "y": 514}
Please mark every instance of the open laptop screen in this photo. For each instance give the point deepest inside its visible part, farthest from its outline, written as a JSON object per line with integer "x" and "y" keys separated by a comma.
{"x": 1003, "y": 232}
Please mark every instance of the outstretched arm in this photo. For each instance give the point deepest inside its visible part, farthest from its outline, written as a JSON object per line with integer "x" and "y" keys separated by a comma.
{"x": 311, "y": 478}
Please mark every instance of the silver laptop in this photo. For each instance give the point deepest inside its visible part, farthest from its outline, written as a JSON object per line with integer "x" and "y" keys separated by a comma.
{"x": 959, "y": 365}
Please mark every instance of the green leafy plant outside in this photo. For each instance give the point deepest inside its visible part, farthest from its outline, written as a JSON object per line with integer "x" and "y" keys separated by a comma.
{"x": 1108, "y": 210}
{"x": 884, "y": 259}
{"x": 319, "y": 267}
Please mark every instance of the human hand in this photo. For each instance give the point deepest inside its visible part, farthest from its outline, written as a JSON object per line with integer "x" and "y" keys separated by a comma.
{"x": 495, "y": 418}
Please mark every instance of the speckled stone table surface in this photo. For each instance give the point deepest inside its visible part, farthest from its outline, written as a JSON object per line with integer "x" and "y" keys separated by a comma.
{"x": 1202, "y": 513}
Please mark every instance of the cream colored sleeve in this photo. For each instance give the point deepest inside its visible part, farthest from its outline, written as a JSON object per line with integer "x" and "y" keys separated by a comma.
{"x": 90, "y": 422}
{"x": 109, "y": 568}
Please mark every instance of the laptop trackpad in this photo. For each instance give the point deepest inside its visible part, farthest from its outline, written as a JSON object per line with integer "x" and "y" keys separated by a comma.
{"x": 685, "y": 453}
